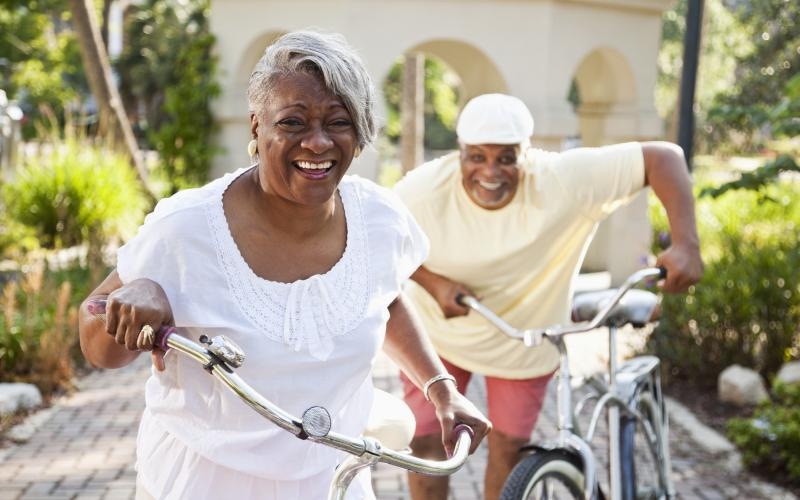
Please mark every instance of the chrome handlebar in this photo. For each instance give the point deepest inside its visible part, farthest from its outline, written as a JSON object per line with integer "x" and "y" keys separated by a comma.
{"x": 532, "y": 337}
{"x": 222, "y": 355}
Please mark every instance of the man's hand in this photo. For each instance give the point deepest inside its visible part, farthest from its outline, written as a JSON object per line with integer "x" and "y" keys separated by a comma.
{"x": 444, "y": 291}
{"x": 684, "y": 267}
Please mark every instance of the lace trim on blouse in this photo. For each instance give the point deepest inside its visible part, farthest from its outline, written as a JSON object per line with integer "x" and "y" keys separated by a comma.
{"x": 307, "y": 313}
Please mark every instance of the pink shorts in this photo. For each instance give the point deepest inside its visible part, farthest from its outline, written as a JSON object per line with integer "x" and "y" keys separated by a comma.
{"x": 514, "y": 405}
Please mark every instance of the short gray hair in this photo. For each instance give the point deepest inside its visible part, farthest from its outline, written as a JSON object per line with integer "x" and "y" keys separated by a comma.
{"x": 330, "y": 57}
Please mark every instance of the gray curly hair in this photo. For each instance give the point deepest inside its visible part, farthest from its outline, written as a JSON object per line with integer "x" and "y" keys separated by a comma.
{"x": 330, "y": 57}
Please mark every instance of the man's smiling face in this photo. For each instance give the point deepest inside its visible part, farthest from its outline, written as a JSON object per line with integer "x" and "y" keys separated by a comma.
{"x": 490, "y": 174}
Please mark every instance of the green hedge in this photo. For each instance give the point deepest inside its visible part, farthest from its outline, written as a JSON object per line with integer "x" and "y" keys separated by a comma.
{"x": 74, "y": 192}
{"x": 746, "y": 309}
{"x": 771, "y": 439}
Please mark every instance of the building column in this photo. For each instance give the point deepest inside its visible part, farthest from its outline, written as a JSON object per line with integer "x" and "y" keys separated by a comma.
{"x": 412, "y": 110}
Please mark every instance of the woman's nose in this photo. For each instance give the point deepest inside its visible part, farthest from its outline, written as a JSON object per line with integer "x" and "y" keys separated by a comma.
{"x": 317, "y": 140}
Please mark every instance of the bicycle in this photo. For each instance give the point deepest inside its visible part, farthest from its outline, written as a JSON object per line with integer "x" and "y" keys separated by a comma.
{"x": 630, "y": 392}
{"x": 221, "y": 356}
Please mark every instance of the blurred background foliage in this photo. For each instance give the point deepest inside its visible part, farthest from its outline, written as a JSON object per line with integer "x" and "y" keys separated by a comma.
{"x": 69, "y": 198}
{"x": 442, "y": 102}
{"x": 748, "y": 103}
{"x": 746, "y": 309}
{"x": 747, "y": 91}
{"x": 167, "y": 75}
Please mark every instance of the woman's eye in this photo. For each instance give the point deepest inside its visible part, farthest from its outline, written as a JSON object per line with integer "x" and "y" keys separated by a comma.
{"x": 476, "y": 158}
{"x": 341, "y": 123}
{"x": 290, "y": 122}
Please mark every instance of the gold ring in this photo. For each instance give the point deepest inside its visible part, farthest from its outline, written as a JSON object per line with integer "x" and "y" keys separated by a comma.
{"x": 149, "y": 337}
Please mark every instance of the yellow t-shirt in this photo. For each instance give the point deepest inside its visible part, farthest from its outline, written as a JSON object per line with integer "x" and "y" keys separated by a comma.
{"x": 520, "y": 259}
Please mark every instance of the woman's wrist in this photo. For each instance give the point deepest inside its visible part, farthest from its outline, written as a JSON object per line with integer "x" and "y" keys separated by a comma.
{"x": 441, "y": 391}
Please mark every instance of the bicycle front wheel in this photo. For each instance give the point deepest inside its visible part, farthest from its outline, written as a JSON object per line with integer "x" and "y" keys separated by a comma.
{"x": 641, "y": 454}
{"x": 551, "y": 475}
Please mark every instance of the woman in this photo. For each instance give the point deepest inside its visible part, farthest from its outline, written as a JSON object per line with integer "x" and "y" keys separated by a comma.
{"x": 297, "y": 263}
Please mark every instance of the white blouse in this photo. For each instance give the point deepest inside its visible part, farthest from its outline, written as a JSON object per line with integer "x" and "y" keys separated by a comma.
{"x": 309, "y": 342}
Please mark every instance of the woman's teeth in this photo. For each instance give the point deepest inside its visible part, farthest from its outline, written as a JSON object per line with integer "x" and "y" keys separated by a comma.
{"x": 491, "y": 186}
{"x": 307, "y": 165}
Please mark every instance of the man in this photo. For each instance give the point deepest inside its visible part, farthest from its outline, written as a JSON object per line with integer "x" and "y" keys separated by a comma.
{"x": 510, "y": 225}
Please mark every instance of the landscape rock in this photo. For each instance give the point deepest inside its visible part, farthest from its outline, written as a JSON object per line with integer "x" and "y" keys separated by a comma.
{"x": 741, "y": 386}
{"x": 16, "y": 396}
{"x": 789, "y": 373}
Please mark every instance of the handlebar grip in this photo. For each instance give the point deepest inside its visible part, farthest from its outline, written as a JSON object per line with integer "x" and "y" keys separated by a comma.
{"x": 97, "y": 307}
{"x": 663, "y": 272}
{"x": 458, "y": 429}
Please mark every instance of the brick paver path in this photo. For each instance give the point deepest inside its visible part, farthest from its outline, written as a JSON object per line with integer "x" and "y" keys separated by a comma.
{"x": 84, "y": 449}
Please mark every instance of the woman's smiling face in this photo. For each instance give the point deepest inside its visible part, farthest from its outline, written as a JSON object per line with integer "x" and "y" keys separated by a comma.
{"x": 306, "y": 140}
{"x": 489, "y": 173}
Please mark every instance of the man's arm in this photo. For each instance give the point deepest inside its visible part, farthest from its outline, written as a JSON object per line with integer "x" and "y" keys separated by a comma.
{"x": 667, "y": 174}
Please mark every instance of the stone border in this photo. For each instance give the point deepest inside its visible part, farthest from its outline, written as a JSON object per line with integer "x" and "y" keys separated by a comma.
{"x": 716, "y": 444}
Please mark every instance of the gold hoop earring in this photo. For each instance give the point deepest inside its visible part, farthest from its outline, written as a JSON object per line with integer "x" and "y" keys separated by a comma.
{"x": 252, "y": 148}
{"x": 357, "y": 152}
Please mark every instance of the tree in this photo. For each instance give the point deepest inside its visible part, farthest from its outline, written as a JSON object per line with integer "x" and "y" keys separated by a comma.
{"x": 114, "y": 122}
{"x": 40, "y": 64}
{"x": 765, "y": 96}
{"x": 167, "y": 70}
{"x": 723, "y": 41}
{"x": 441, "y": 103}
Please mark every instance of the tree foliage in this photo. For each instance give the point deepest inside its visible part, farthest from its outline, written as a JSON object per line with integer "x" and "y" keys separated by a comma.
{"x": 441, "y": 103}
{"x": 723, "y": 40}
{"x": 765, "y": 100}
{"x": 41, "y": 64}
{"x": 167, "y": 79}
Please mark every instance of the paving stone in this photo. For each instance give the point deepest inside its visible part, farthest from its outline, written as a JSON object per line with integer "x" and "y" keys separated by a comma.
{"x": 86, "y": 449}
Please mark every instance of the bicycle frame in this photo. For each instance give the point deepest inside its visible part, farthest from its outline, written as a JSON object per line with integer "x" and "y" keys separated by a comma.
{"x": 618, "y": 395}
{"x": 223, "y": 355}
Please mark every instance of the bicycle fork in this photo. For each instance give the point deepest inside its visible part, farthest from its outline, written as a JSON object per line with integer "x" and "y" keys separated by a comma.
{"x": 566, "y": 435}
{"x": 614, "y": 466}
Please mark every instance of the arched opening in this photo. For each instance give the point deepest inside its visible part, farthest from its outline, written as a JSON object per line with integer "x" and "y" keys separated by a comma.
{"x": 452, "y": 72}
{"x": 603, "y": 94}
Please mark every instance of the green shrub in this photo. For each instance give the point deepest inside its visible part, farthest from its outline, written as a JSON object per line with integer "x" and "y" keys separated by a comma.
{"x": 746, "y": 309}
{"x": 771, "y": 439}
{"x": 15, "y": 238}
{"x": 74, "y": 193}
{"x": 38, "y": 343}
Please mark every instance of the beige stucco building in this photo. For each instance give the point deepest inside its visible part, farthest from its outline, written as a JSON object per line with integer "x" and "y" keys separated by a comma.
{"x": 533, "y": 49}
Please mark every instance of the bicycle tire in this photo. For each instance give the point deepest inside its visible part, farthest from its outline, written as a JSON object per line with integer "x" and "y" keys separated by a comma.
{"x": 639, "y": 458}
{"x": 544, "y": 468}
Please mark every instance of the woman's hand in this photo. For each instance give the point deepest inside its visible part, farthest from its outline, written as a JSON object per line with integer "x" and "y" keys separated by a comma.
{"x": 452, "y": 408}
{"x": 132, "y": 310}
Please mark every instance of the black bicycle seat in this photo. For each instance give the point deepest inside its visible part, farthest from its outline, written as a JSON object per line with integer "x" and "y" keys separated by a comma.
{"x": 636, "y": 307}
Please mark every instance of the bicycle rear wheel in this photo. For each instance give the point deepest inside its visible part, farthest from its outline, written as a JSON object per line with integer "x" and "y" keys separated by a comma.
{"x": 641, "y": 455}
{"x": 550, "y": 475}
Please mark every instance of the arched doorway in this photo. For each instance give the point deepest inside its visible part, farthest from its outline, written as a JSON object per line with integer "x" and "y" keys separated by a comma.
{"x": 451, "y": 73}
{"x": 605, "y": 99}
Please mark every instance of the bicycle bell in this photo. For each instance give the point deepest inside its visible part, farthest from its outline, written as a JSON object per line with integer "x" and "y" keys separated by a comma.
{"x": 225, "y": 349}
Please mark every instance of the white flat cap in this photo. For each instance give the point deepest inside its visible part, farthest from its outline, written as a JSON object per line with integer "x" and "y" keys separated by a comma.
{"x": 494, "y": 119}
